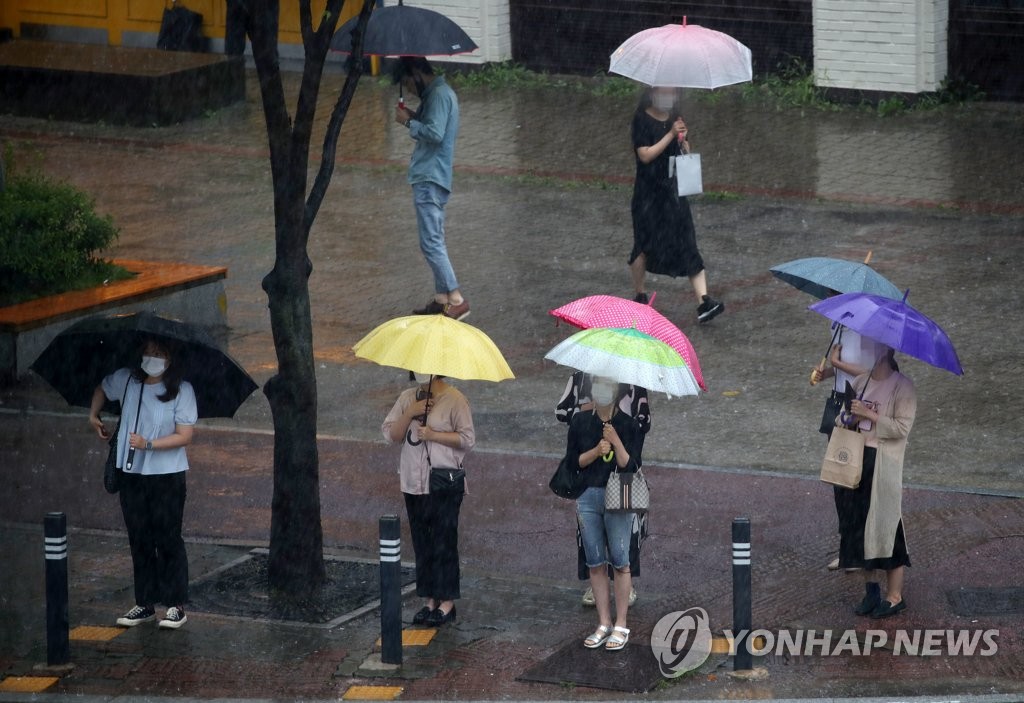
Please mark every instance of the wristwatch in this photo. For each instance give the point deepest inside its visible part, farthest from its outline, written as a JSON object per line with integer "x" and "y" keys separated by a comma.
{"x": 149, "y": 444}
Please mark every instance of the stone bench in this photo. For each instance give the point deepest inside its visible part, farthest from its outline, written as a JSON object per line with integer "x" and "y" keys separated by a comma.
{"x": 115, "y": 84}
{"x": 182, "y": 291}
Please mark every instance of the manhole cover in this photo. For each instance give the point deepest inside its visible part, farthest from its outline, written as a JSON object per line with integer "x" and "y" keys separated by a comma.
{"x": 240, "y": 590}
{"x": 987, "y": 601}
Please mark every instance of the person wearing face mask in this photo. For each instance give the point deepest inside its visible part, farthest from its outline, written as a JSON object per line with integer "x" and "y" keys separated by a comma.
{"x": 871, "y": 515}
{"x": 434, "y": 127}
{"x": 664, "y": 237}
{"x": 633, "y": 401}
{"x": 434, "y": 425}
{"x": 158, "y": 413}
{"x": 602, "y": 440}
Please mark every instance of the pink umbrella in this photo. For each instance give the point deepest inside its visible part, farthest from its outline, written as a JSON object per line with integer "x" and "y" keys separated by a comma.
{"x": 682, "y": 56}
{"x": 611, "y": 311}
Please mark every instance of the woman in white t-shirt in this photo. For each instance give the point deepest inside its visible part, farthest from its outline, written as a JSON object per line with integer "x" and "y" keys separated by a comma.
{"x": 851, "y": 356}
{"x": 158, "y": 412}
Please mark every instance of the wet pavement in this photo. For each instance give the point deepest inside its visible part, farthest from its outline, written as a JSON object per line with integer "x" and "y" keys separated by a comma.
{"x": 540, "y": 216}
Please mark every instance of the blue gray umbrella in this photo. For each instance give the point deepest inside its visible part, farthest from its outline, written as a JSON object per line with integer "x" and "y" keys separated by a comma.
{"x": 821, "y": 276}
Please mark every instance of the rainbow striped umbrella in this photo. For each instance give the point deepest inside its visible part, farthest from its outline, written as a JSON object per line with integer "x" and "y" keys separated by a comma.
{"x": 612, "y": 311}
{"x": 627, "y": 356}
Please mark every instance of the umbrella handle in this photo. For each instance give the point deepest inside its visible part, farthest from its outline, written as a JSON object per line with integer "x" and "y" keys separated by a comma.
{"x": 609, "y": 456}
{"x": 820, "y": 368}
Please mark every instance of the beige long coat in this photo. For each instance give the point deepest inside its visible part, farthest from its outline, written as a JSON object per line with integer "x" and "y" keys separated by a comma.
{"x": 895, "y": 418}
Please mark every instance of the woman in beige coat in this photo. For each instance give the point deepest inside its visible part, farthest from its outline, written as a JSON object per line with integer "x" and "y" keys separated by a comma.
{"x": 871, "y": 517}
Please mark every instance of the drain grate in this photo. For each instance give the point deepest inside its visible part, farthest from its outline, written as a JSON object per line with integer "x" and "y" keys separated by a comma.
{"x": 240, "y": 590}
{"x": 987, "y": 601}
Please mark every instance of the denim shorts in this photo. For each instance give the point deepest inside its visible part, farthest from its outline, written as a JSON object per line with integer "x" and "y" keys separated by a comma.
{"x": 605, "y": 535}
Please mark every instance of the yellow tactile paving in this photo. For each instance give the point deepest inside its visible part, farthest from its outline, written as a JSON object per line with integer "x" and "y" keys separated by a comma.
{"x": 723, "y": 645}
{"x": 27, "y": 684}
{"x": 416, "y": 638}
{"x": 372, "y": 693}
{"x": 95, "y": 634}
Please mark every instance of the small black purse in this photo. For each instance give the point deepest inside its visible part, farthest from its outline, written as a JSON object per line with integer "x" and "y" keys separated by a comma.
{"x": 566, "y": 482}
{"x": 833, "y": 406}
{"x": 111, "y": 474}
{"x": 446, "y": 481}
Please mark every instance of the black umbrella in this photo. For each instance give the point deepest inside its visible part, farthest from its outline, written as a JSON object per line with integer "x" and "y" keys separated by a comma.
{"x": 400, "y": 30}
{"x": 78, "y": 358}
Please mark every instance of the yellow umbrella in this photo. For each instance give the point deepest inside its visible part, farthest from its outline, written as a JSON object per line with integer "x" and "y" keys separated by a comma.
{"x": 437, "y": 345}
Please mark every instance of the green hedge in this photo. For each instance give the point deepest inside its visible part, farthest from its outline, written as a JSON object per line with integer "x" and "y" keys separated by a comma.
{"x": 49, "y": 235}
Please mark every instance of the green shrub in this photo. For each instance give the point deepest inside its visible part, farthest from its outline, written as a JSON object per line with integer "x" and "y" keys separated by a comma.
{"x": 49, "y": 234}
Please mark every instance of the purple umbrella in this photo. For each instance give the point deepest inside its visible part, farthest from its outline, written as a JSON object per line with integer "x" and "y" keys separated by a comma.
{"x": 894, "y": 323}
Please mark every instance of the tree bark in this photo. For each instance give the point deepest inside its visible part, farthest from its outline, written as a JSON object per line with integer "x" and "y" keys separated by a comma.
{"x": 296, "y": 565}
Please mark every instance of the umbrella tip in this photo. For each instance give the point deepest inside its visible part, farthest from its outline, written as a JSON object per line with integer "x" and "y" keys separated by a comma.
{"x": 905, "y": 294}
{"x": 867, "y": 259}
{"x": 684, "y": 20}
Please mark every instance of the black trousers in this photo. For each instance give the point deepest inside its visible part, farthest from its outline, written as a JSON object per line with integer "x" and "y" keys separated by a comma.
{"x": 434, "y": 525}
{"x": 153, "y": 507}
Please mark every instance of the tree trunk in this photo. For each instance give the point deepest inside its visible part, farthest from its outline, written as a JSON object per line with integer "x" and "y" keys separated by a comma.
{"x": 296, "y": 566}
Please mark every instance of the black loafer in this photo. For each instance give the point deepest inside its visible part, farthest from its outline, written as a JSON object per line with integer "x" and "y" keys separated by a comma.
{"x": 421, "y": 616}
{"x": 886, "y": 609}
{"x": 868, "y": 605}
{"x": 439, "y": 617}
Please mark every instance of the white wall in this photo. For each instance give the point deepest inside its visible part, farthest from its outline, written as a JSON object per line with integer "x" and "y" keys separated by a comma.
{"x": 485, "y": 21}
{"x": 886, "y": 45}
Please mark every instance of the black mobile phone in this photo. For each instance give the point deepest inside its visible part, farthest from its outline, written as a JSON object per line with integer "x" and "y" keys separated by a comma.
{"x": 421, "y": 394}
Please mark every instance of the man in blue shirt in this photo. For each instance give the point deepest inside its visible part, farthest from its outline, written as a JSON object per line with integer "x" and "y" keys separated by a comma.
{"x": 434, "y": 127}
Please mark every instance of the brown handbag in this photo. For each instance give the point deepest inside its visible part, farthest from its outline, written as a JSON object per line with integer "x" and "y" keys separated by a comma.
{"x": 844, "y": 458}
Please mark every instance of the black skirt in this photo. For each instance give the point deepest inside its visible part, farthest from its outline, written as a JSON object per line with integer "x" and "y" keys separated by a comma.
{"x": 852, "y": 506}
{"x": 663, "y": 231}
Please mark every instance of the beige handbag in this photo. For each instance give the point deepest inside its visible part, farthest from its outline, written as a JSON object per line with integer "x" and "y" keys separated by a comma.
{"x": 844, "y": 458}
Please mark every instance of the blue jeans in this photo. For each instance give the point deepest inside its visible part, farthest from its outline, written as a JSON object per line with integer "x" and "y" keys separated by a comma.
{"x": 605, "y": 535}
{"x": 430, "y": 199}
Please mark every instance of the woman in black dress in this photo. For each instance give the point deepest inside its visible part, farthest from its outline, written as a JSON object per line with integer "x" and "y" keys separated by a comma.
{"x": 664, "y": 240}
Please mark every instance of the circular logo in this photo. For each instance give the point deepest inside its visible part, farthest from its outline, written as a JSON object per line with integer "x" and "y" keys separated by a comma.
{"x": 843, "y": 456}
{"x": 681, "y": 641}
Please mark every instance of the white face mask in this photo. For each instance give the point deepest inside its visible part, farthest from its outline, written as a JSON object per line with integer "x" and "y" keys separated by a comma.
{"x": 602, "y": 393}
{"x": 421, "y": 377}
{"x": 154, "y": 365}
{"x": 663, "y": 101}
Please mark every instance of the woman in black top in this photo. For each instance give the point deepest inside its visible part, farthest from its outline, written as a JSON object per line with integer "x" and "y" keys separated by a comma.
{"x": 603, "y": 440}
{"x": 664, "y": 240}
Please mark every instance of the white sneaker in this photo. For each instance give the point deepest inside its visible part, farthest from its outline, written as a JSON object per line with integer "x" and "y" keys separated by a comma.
{"x": 588, "y": 598}
{"x": 174, "y": 619}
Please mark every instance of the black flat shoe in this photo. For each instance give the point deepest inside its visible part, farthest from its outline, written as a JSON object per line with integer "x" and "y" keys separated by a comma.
{"x": 421, "y": 616}
{"x": 868, "y": 605}
{"x": 439, "y": 617}
{"x": 886, "y": 609}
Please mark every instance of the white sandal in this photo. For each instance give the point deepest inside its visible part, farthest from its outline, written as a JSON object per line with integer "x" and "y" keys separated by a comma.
{"x": 599, "y": 637}
{"x": 618, "y": 639}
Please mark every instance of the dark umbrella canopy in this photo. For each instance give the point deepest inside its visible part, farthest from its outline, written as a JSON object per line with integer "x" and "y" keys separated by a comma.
{"x": 78, "y": 359}
{"x": 400, "y": 30}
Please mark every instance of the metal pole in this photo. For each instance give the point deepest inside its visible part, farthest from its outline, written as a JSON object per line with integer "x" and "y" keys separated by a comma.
{"x": 390, "y": 590}
{"x": 55, "y": 534}
{"x": 741, "y": 609}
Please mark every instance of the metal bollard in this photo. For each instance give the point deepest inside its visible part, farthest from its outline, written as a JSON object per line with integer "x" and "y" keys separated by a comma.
{"x": 55, "y": 534}
{"x": 390, "y": 590}
{"x": 741, "y": 597}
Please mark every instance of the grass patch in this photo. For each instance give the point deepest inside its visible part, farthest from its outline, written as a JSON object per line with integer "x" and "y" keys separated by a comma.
{"x": 721, "y": 196}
